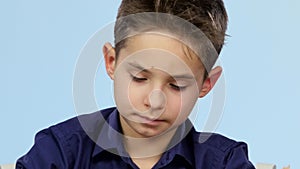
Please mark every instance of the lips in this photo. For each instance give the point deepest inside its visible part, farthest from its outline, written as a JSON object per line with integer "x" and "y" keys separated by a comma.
{"x": 148, "y": 120}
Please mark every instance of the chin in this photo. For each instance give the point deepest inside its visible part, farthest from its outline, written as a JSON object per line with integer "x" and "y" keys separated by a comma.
{"x": 149, "y": 133}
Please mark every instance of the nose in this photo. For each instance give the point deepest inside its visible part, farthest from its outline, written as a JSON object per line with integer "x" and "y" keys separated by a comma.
{"x": 157, "y": 99}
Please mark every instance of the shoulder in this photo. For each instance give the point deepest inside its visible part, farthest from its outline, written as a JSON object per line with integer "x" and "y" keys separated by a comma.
{"x": 214, "y": 141}
{"x": 221, "y": 151}
{"x": 88, "y": 123}
{"x": 61, "y": 144}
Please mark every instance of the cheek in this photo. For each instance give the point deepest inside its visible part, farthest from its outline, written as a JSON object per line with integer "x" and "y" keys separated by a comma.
{"x": 174, "y": 105}
{"x": 121, "y": 92}
{"x": 184, "y": 105}
{"x": 136, "y": 96}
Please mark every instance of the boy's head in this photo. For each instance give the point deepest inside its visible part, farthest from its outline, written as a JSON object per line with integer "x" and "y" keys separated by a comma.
{"x": 155, "y": 64}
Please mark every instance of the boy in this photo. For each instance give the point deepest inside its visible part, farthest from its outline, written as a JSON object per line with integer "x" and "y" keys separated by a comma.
{"x": 161, "y": 64}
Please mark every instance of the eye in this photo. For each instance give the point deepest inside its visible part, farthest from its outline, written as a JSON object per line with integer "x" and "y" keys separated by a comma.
{"x": 176, "y": 87}
{"x": 138, "y": 79}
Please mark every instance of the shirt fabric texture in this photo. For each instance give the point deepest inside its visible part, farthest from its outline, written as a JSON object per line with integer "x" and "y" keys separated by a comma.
{"x": 71, "y": 145}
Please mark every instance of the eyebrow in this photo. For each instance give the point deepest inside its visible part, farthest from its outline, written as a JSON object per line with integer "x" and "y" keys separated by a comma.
{"x": 137, "y": 66}
{"x": 183, "y": 76}
{"x": 179, "y": 76}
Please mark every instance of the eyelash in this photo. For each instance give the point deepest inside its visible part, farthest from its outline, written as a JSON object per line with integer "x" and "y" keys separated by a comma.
{"x": 138, "y": 79}
{"x": 173, "y": 86}
{"x": 178, "y": 88}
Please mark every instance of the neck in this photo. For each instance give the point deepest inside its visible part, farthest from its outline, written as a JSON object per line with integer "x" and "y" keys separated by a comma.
{"x": 146, "y": 152}
{"x": 148, "y": 147}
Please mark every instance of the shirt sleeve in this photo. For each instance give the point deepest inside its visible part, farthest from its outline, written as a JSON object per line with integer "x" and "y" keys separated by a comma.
{"x": 237, "y": 157}
{"x": 47, "y": 153}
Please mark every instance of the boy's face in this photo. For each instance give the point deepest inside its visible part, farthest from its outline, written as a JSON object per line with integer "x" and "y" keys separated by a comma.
{"x": 156, "y": 84}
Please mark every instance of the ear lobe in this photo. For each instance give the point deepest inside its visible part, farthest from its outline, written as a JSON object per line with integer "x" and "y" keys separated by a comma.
{"x": 210, "y": 81}
{"x": 110, "y": 59}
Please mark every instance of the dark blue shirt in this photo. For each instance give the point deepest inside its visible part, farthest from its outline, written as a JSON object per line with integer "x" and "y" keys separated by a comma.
{"x": 91, "y": 141}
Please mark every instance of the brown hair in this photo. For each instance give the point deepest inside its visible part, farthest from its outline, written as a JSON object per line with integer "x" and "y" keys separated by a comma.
{"x": 208, "y": 15}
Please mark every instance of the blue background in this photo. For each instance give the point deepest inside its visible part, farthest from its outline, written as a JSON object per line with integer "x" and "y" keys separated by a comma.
{"x": 41, "y": 40}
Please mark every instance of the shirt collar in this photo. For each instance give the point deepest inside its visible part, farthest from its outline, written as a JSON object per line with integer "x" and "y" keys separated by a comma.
{"x": 110, "y": 136}
{"x": 184, "y": 148}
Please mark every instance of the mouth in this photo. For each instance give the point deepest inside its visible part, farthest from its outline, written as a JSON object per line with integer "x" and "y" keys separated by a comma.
{"x": 148, "y": 120}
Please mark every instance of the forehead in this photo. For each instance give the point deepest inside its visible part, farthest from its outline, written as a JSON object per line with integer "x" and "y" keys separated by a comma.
{"x": 161, "y": 46}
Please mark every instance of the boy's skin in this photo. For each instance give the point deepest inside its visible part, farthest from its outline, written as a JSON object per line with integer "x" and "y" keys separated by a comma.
{"x": 156, "y": 102}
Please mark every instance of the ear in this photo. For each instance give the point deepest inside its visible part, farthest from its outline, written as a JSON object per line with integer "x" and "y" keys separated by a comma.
{"x": 110, "y": 59}
{"x": 210, "y": 81}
